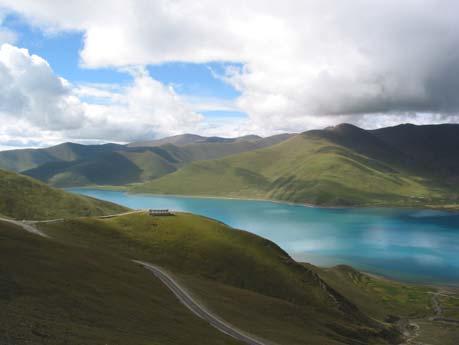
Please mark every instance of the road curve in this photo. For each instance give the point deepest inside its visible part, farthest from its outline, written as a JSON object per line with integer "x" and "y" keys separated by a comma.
{"x": 120, "y": 214}
{"x": 27, "y": 226}
{"x": 181, "y": 293}
{"x": 199, "y": 310}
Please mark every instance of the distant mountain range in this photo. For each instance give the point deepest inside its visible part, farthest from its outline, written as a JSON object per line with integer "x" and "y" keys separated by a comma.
{"x": 57, "y": 288}
{"x": 72, "y": 164}
{"x": 344, "y": 165}
{"x": 187, "y": 139}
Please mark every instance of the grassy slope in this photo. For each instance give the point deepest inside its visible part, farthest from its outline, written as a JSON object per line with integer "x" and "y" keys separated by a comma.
{"x": 177, "y": 140}
{"x": 246, "y": 279}
{"x": 21, "y": 160}
{"x": 51, "y": 293}
{"x": 213, "y": 150}
{"x": 307, "y": 168}
{"x": 115, "y": 168}
{"x": 22, "y": 197}
{"x": 133, "y": 164}
{"x": 378, "y": 297}
{"x": 387, "y": 299}
{"x": 433, "y": 147}
{"x": 188, "y": 139}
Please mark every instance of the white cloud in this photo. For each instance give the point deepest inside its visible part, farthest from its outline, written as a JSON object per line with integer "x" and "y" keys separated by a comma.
{"x": 144, "y": 109}
{"x": 30, "y": 91}
{"x": 306, "y": 63}
{"x": 37, "y": 105}
{"x": 7, "y": 36}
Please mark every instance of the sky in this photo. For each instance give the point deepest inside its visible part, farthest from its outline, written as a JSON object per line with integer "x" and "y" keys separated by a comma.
{"x": 120, "y": 71}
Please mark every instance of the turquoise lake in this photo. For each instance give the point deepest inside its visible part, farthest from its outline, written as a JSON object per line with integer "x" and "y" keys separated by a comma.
{"x": 411, "y": 245}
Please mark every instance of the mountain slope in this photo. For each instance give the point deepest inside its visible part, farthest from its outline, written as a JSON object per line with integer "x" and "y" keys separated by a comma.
{"x": 55, "y": 293}
{"x": 177, "y": 140}
{"x": 187, "y": 139}
{"x": 120, "y": 165}
{"x": 115, "y": 168}
{"x": 259, "y": 282}
{"x": 343, "y": 165}
{"x": 432, "y": 148}
{"x": 213, "y": 149}
{"x": 20, "y": 160}
{"x": 22, "y": 197}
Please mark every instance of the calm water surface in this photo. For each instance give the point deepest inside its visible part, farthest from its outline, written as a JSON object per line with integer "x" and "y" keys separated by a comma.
{"x": 413, "y": 245}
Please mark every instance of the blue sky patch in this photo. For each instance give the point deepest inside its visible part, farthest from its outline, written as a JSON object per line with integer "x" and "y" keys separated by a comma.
{"x": 61, "y": 50}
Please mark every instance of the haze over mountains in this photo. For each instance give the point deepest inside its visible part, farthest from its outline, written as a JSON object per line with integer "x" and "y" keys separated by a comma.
{"x": 405, "y": 165}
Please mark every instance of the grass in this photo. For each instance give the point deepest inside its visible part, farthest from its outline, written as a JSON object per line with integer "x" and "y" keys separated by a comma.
{"x": 450, "y": 305}
{"x": 306, "y": 168}
{"x": 246, "y": 279}
{"x": 271, "y": 318}
{"x": 115, "y": 168}
{"x": 378, "y": 297}
{"x": 52, "y": 293}
{"x": 22, "y": 197}
{"x": 390, "y": 300}
{"x": 82, "y": 287}
{"x": 437, "y": 333}
{"x": 79, "y": 165}
{"x": 199, "y": 246}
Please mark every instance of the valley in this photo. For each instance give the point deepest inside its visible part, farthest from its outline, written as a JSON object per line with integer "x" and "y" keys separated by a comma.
{"x": 90, "y": 264}
{"x": 402, "y": 166}
{"x": 229, "y": 172}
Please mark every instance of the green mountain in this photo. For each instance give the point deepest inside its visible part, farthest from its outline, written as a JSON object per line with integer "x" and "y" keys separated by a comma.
{"x": 242, "y": 278}
{"x": 187, "y": 139}
{"x": 21, "y": 160}
{"x": 106, "y": 298}
{"x": 120, "y": 165}
{"x": 22, "y": 197}
{"x": 113, "y": 168}
{"x": 57, "y": 293}
{"x": 213, "y": 148}
{"x": 343, "y": 165}
{"x": 177, "y": 140}
{"x": 431, "y": 149}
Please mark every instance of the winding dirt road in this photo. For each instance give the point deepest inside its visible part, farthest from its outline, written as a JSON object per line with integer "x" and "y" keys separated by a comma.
{"x": 179, "y": 291}
{"x": 27, "y": 225}
{"x": 197, "y": 308}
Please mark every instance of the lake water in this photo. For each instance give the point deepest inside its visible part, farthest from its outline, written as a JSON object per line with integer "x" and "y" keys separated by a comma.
{"x": 412, "y": 245}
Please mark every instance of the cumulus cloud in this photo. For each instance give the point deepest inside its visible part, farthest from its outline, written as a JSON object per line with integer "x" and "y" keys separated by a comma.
{"x": 30, "y": 91}
{"x": 35, "y": 103}
{"x": 305, "y": 63}
{"x": 144, "y": 109}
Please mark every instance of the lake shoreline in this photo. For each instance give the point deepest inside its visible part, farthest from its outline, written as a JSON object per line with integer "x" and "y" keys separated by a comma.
{"x": 309, "y": 205}
{"x": 410, "y": 245}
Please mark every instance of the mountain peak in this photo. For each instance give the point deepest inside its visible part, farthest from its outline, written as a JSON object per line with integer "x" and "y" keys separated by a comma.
{"x": 344, "y": 127}
{"x": 178, "y": 140}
